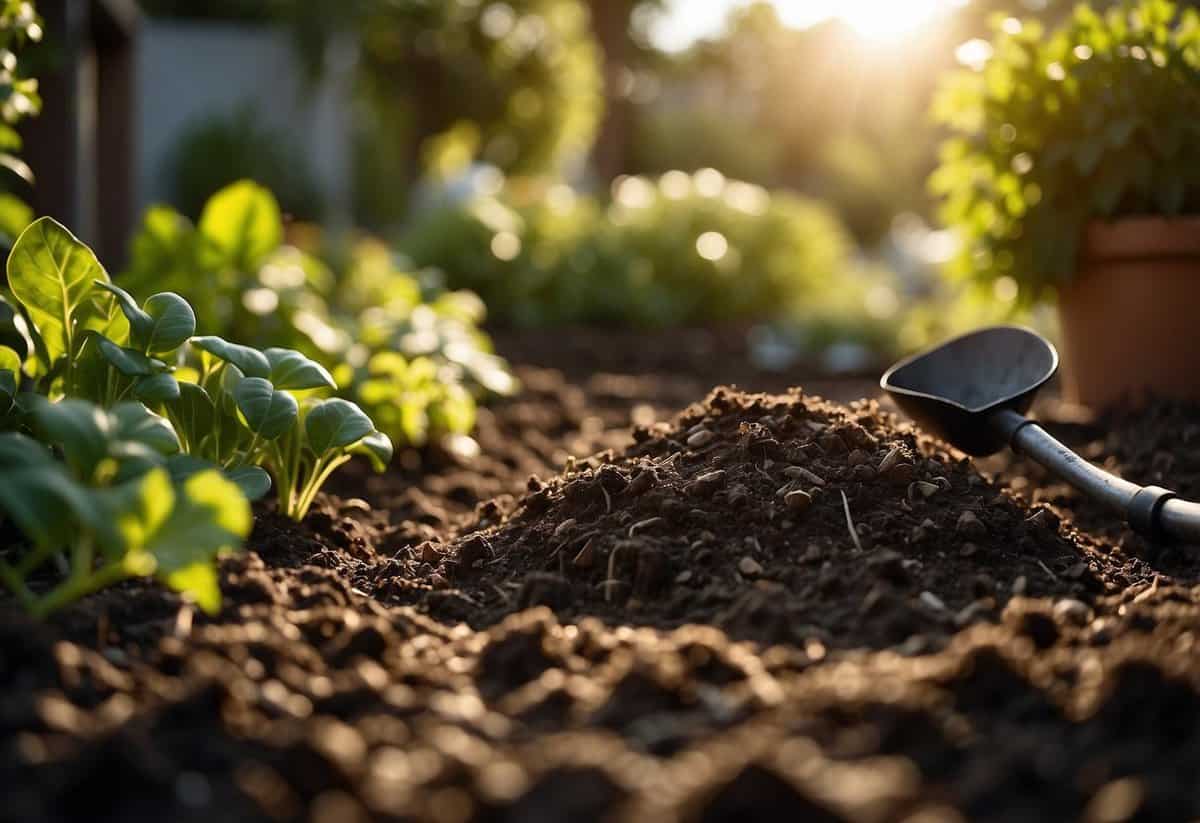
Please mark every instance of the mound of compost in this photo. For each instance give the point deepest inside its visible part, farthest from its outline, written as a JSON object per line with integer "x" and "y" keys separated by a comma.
{"x": 726, "y": 649}
{"x": 779, "y": 519}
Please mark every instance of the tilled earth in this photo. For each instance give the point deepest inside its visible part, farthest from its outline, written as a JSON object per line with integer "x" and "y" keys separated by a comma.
{"x": 760, "y": 607}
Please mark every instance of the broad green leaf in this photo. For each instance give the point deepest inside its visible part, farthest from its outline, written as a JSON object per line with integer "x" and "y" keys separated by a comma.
{"x": 51, "y": 273}
{"x": 211, "y": 515}
{"x": 198, "y": 582}
{"x": 79, "y": 428}
{"x": 227, "y": 385}
{"x": 292, "y": 370}
{"x": 15, "y": 216}
{"x": 135, "y": 510}
{"x": 129, "y": 362}
{"x": 172, "y": 323}
{"x": 14, "y": 331}
{"x": 181, "y": 466}
{"x": 101, "y": 313}
{"x": 252, "y": 362}
{"x": 18, "y": 450}
{"x": 268, "y": 411}
{"x": 252, "y": 480}
{"x": 10, "y": 361}
{"x": 133, "y": 421}
{"x": 335, "y": 424}
{"x": 8, "y": 387}
{"x": 139, "y": 321}
{"x": 377, "y": 446}
{"x": 45, "y": 504}
{"x": 156, "y": 388}
{"x": 242, "y": 225}
{"x": 132, "y": 459}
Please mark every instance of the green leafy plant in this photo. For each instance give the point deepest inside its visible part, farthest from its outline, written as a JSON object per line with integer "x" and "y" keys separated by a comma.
{"x": 237, "y": 407}
{"x": 243, "y": 413}
{"x": 95, "y": 487}
{"x": 1092, "y": 120}
{"x": 415, "y": 361}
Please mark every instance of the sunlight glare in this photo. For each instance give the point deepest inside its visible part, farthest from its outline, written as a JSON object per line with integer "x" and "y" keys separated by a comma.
{"x": 875, "y": 20}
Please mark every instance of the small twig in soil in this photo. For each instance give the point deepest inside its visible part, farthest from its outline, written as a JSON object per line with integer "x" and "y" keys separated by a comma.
{"x": 644, "y": 524}
{"x": 607, "y": 499}
{"x": 1148, "y": 592}
{"x": 183, "y": 621}
{"x": 1046, "y": 569}
{"x": 611, "y": 581}
{"x": 500, "y": 592}
{"x": 850, "y": 523}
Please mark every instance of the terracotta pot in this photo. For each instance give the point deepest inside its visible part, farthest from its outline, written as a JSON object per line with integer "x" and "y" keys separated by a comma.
{"x": 1131, "y": 316}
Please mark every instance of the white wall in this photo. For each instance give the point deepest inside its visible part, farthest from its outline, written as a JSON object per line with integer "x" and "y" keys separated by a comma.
{"x": 189, "y": 70}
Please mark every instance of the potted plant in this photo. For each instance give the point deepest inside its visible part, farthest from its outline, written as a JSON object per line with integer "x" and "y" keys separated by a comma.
{"x": 1074, "y": 171}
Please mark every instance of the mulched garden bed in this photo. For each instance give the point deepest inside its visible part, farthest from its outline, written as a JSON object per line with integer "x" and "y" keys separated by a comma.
{"x": 749, "y": 607}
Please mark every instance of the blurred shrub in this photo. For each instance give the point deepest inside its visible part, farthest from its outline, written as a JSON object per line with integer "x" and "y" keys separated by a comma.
{"x": 415, "y": 361}
{"x": 701, "y": 137}
{"x": 221, "y": 149}
{"x": 685, "y": 249}
{"x": 522, "y": 77}
{"x": 19, "y": 25}
{"x": 1095, "y": 120}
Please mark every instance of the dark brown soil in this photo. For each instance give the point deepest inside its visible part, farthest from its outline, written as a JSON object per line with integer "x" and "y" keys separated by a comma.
{"x": 742, "y": 657}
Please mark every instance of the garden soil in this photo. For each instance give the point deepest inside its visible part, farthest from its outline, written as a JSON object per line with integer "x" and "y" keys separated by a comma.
{"x": 646, "y": 600}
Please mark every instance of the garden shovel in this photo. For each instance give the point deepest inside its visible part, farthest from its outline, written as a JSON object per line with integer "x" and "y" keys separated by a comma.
{"x": 973, "y": 391}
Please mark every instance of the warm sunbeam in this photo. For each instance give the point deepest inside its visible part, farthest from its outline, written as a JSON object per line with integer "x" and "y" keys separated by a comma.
{"x": 880, "y": 21}
{"x": 877, "y": 20}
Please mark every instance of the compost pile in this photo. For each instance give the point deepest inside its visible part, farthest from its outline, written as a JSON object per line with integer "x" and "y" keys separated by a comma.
{"x": 771, "y": 607}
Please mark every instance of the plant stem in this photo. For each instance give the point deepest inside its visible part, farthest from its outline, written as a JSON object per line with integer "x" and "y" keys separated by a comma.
{"x": 314, "y": 485}
{"x": 16, "y": 582}
{"x": 75, "y": 588}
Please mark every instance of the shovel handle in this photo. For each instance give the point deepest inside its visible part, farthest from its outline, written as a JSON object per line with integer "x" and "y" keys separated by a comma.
{"x": 1150, "y": 510}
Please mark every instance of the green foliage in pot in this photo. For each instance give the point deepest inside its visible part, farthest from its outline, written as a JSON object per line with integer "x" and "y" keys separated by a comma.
{"x": 1096, "y": 119}
{"x": 416, "y": 362}
{"x": 680, "y": 249}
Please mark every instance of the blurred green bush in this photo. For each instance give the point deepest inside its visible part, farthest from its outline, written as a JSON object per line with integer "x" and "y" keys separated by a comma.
{"x": 682, "y": 249}
{"x": 19, "y": 25}
{"x": 515, "y": 84}
{"x": 217, "y": 150}
{"x": 415, "y": 361}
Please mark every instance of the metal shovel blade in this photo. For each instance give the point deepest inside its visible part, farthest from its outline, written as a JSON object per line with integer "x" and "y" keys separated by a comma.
{"x": 951, "y": 389}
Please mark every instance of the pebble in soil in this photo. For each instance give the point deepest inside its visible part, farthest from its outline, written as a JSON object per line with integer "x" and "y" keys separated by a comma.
{"x": 735, "y": 516}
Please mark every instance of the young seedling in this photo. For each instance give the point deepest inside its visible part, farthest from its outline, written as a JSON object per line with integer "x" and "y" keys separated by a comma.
{"x": 332, "y": 431}
{"x": 243, "y": 413}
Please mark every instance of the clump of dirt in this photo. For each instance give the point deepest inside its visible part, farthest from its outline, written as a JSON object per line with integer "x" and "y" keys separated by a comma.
{"x": 779, "y": 519}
